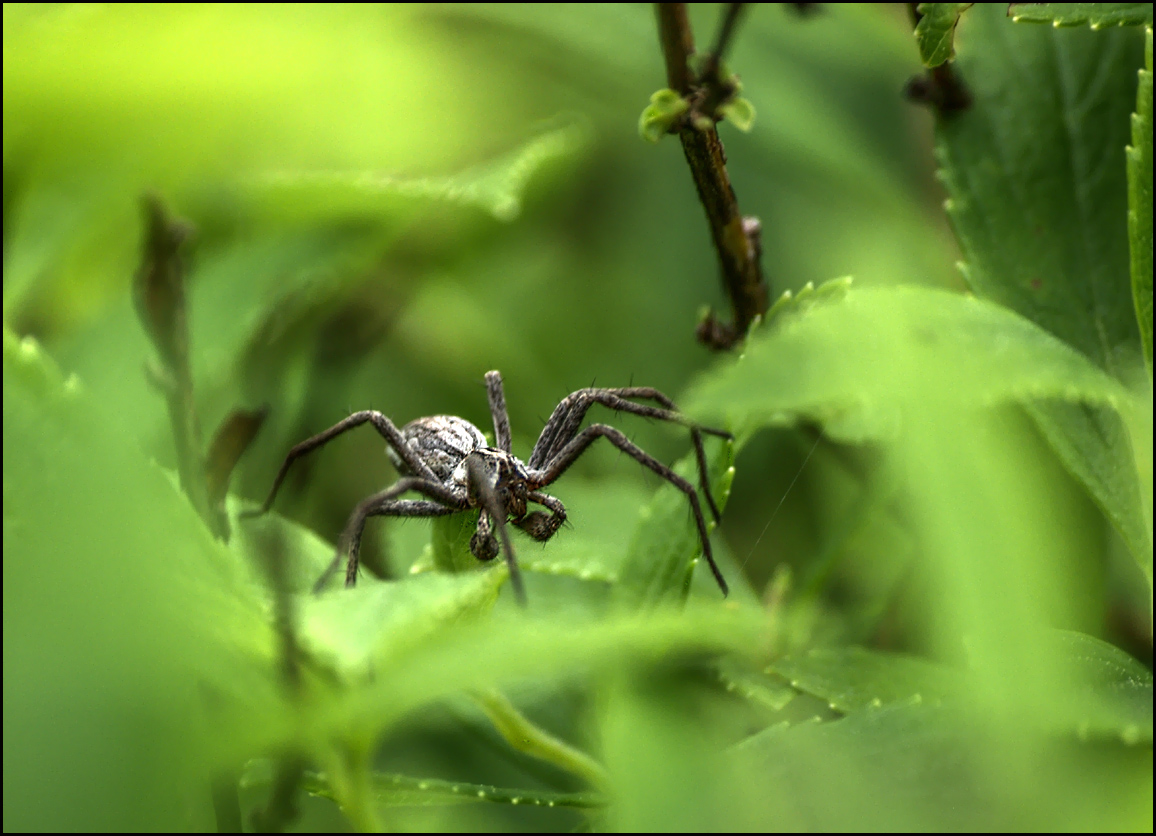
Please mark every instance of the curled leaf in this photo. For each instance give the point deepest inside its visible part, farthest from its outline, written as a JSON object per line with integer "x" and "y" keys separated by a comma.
{"x": 664, "y": 110}
{"x": 739, "y": 112}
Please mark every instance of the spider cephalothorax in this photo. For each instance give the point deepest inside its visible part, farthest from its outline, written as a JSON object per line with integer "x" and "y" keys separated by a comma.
{"x": 448, "y": 460}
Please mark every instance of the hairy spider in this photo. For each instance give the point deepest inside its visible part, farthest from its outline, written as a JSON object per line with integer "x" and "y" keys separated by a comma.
{"x": 447, "y": 460}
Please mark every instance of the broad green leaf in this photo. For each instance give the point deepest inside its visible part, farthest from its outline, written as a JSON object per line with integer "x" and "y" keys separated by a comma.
{"x": 919, "y": 767}
{"x": 754, "y": 685}
{"x": 391, "y": 789}
{"x": 1096, "y": 15}
{"x": 358, "y": 630}
{"x": 496, "y": 187}
{"x": 935, "y": 32}
{"x": 1096, "y": 447}
{"x": 1140, "y": 203}
{"x": 1105, "y": 692}
{"x": 855, "y": 678}
{"x": 593, "y": 544}
{"x": 1035, "y": 178}
{"x": 666, "y": 546}
{"x": 307, "y": 554}
{"x": 128, "y": 631}
{"x": 856, "y": 360}
{"x": 1108, "y": 695}
{"x": 516, "y": 644}
{"x": 394, "y": 790}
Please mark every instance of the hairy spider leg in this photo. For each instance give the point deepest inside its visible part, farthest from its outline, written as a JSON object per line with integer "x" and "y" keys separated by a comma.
{"x": 558, "y": 465}
{"x": 382, "y": 504}
{"x": 497, "y": 398}
{"x": 539, "y": 525}
{"x": 493, "y": 506}
{"x": 387, "y": 508}
{"x": 380, "y": 423}
{"x": 569, "y": 414}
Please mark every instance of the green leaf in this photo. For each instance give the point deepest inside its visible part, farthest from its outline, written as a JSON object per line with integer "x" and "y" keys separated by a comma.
{"x": 601, "y": 514}
{"x": 754, "y": 685}
{"x": 497, "y": 186}
{"x": 451, "y": 542}
{"x": 307, "y": 554}
{"x": 1103, "y": 692}
{"x": 130, "y": 636}
{"x": 358, "y": 630}
{"x": 394, "y": 790}
{"x": 1140, "y": 203}
{"x": 795, "y": 303}
{"x": 1108, "y": 694}
{"x": 1096, "y": 447}
{"x": 1036, "y": 195}
{"x": 1036, "y": 187}
{"x": 658, "y": 117}
{"x": 918, "y": 767}
{"x": 475, "y": 653}
{"x": 666, "y": 545}
{"x": 935, "y": 32}
{"x": 856, "y": 360}
{"x": 854, "y": 678}
{"x": 1096, "y": 15}
{"x": 739, "y": 112}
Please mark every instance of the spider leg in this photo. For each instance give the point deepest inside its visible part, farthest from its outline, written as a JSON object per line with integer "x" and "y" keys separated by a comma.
{"x": 490, "y": 504}
{"x": 380, "y": 423}
{"x": 442, "y": 501}
{"x": 539, "y": 525}
{"x": 569, "y": 414}
{"x": 558, "y": 465}
{"x": 497, "y": 397}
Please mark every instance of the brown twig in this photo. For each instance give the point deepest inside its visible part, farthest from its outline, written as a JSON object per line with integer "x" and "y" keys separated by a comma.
{"x": 940, "y": 87}
{"x": 736, "y": 239}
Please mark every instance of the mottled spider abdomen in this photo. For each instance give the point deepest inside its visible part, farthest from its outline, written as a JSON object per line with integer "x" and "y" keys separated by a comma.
{"x": 441, "y": 441}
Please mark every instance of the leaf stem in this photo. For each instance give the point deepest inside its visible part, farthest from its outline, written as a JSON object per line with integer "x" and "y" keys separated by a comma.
{"x": 525, "y": 736}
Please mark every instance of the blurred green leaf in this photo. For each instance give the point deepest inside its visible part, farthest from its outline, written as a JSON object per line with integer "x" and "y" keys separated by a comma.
{"x": 1108, "y": 694}
{"x": 854, "y": 361}
{"x": 754, "y": 685}
{"x": 393, "y": 790}
{"x": 855, "y": 678}
{"x": 497, "y": 187}
{"x": 1096, "y": 15}
{"x": 1051, "y": 248}
{"x": 916, "y": 767}
{"x": 935, "y": 32}
{"x": 471, "y": 654}
{"x": 128, "y": 632}
{"x": 1140, "y": 203}
{"x": 666, "y": 546}
{"x": 1097, "y": 448}
{"x": 658, "y": 117}
{"x": 357, "y": 630}
{"x": 739, "y": 112}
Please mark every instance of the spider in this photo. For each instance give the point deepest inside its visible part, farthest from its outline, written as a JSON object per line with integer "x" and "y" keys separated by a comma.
{"x": 448, "y": 460}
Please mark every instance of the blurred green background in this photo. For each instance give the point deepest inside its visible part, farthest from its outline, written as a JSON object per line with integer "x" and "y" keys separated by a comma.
{"x": 390, "y": 201}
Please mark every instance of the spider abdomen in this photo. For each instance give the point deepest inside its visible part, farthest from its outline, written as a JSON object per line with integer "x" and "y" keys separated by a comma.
{"x": 441, "y": 441}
